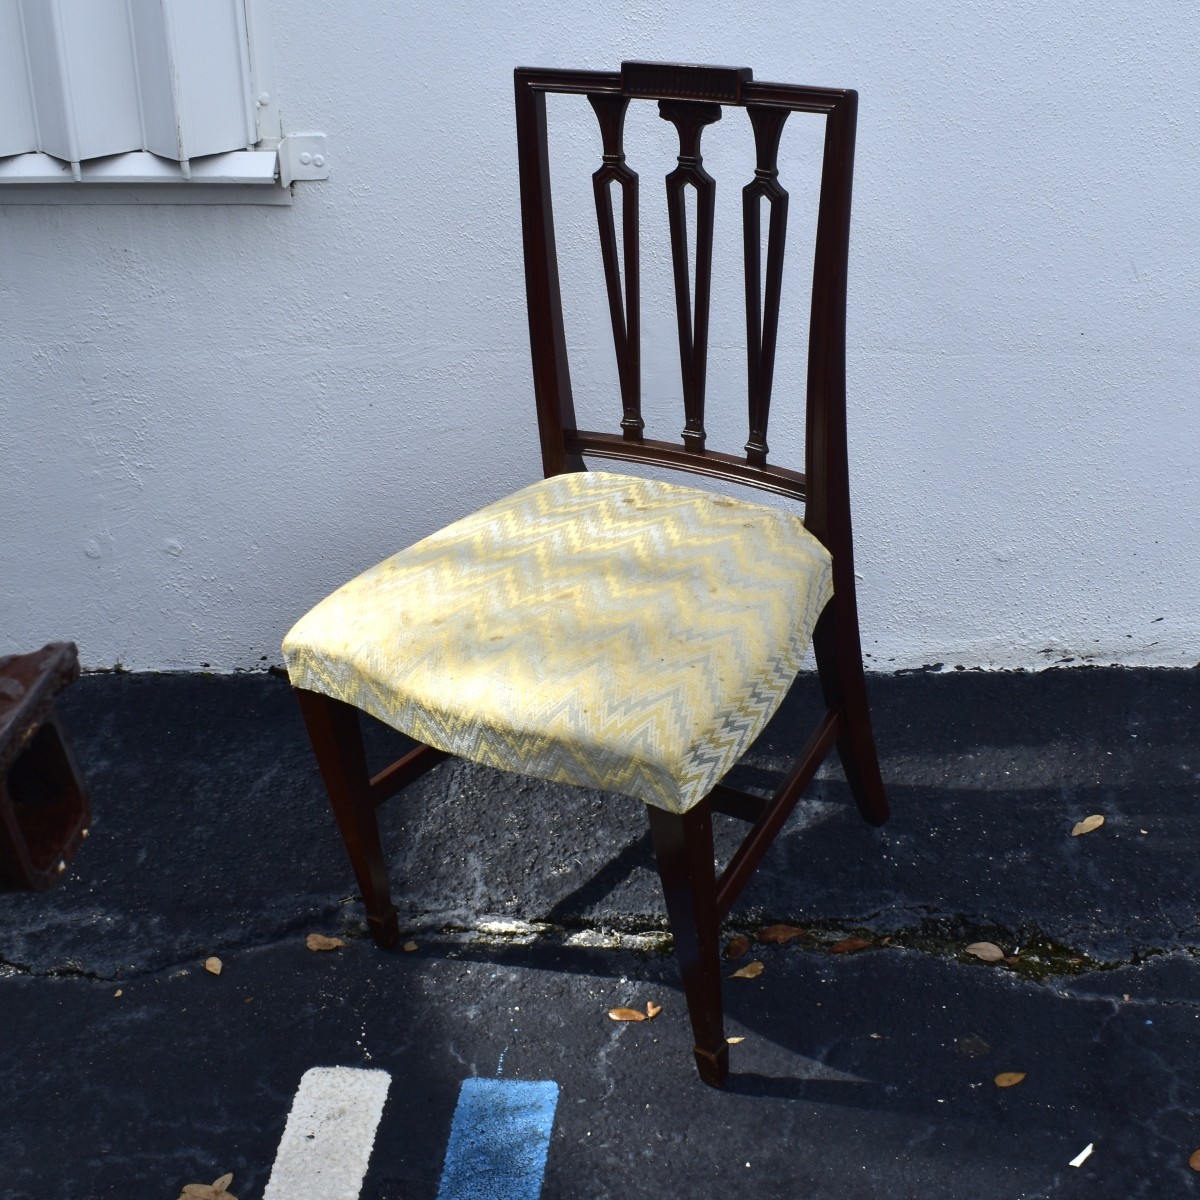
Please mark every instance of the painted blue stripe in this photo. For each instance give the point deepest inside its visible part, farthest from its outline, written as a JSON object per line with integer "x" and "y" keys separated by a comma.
{"x": 499, "y": 1139}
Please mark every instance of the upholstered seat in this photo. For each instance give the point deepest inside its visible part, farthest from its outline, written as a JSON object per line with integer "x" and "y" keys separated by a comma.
{"x": 593, "y": 628}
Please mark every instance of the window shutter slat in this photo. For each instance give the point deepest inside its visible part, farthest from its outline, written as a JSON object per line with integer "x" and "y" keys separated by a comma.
{"x": 84, "y": 87}
{"x": 193, "y": 76}
{"x": 18, "y": 134}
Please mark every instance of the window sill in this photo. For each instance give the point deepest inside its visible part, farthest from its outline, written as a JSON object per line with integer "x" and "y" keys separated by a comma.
{"x": 239, "y": 177}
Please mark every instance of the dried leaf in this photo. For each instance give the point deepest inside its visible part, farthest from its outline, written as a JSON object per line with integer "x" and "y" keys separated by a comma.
{"x": 987, "y": 951}
{"x": 1194, "y": 1160}
{"x": 318, "y": 941}
{"x": 213, "y": 966}
{"x": 780, "y": 935}
{"x": 209, "y": 1191}
{"x": 119, "y": 992}
{"x": 626, "y": 1014}
{"x": 849, "y": 946}
{"x": 736, "y": 947}
{"x": 737, "y": 1041}
{"x": 652, "y": 1010}
{"x": 409, "y": 947}
{"x": 752, "y": 970}
{"x": 1009, "y": 1078}
{"x": 1087, "y": 824}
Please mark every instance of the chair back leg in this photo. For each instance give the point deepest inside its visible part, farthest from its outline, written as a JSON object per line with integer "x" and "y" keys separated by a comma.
{"x": 838, "y": 653}
{"x": 337, "y": 743}
{"x": 683, "y": 846}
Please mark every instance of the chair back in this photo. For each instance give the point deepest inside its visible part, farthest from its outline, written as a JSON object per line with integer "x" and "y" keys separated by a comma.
{"x": 691, "y": 98}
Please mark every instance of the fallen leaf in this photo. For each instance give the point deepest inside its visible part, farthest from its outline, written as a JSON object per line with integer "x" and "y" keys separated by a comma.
{"x": 736, "y": 947}
{"x": 1009, "y": 1078}
{"x": 1012, "y": 959}
{"x": 780, "y": 934}
{"x": 987, "y": 951}
{"x": 737, "y": 1041}
{"x": 409, "y": 947}
{"x": 318, "y": 941}
{"x": 1087, "y": 824}
{"x": 213, "y": 966}
{"x": 652, "y": 1010}
{"x": 217, "y": 1190}
{"x": 752, "y": 970}
{"x": 119, "y": 992}
{"x": 849, "y": 946}
{"x": 626, "y": 1014}
{"x": 1194, "y": 1160}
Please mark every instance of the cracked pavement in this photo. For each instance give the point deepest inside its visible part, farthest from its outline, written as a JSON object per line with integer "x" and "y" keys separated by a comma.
{"x": 536, "y": 908}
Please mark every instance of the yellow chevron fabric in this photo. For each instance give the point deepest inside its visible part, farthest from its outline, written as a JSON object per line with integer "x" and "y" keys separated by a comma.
{"x": 593, "y": 629}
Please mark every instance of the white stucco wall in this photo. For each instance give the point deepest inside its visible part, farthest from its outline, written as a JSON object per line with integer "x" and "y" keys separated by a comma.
{"x": 213, "y": 415}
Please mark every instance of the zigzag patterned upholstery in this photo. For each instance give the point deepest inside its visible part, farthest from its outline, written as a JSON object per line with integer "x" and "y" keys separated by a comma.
{"x": 593, "y": 628}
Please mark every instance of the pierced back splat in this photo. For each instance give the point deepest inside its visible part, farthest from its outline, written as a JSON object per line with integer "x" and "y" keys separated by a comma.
{"x": 762, "y": 317}
{"x": 626, "y": 322}
{"x": 689, "y": 118}
{"x": 691, "y": 97}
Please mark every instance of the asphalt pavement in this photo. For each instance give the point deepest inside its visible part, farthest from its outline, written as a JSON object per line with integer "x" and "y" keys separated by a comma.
{"x": 131, "y": 1070}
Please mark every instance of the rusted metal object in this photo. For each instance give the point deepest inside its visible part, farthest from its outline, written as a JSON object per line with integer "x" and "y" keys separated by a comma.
{"x": 44, "y": 803}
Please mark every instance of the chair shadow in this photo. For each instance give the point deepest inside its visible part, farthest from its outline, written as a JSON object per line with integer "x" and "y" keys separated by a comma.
{"x": 638, "y": 853}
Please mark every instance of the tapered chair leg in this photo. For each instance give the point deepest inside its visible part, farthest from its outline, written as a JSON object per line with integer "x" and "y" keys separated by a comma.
{"x": 683, "y": 846}
{"x": 839, "y": 663}
{"x": 337, "y": 743}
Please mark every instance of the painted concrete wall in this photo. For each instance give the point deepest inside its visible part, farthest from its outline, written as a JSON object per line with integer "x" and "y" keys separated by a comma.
{"x": 213, "y": 415}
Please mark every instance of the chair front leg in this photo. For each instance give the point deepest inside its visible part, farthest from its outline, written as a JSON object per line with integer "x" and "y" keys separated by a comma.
{"x": 336, "y": 736}
{"x": 683, "y": 846}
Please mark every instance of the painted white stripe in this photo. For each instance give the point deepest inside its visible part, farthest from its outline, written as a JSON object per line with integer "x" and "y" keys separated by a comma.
{"x": 327, "y": 1141}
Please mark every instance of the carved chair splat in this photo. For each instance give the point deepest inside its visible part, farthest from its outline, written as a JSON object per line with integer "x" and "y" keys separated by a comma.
{"x": 623, "y": 310}
{"x": 762, "y": 321}
{"x": 689, "y": 118}
{"x": 335, "y": 675}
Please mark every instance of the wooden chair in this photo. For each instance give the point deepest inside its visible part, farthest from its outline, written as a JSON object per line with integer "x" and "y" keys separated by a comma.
{"x": 609, "y": 630}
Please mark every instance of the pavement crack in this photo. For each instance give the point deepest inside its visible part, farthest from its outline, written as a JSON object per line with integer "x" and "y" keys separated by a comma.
{"x": 68, "y": 970}
{"x": 1031, "y": 954}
